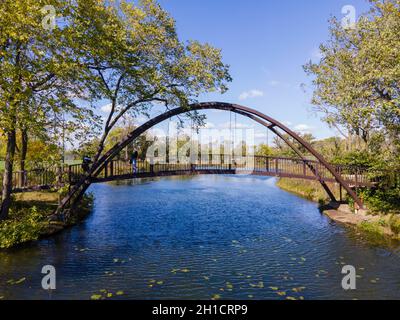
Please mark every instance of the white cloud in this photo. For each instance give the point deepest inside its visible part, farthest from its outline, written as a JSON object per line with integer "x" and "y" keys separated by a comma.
{"x": 273, "y": 83}
{"x": 209, "y": 125}
{"x": 106, "y": 108}
{"x": 260, "y": 135}
{"x": 303, "y": 128}
{"x": 251, "y": 94}
{"x": 287, "y": 123}
{"x": 316, "y": 55}
{"x": 228, "y": 125}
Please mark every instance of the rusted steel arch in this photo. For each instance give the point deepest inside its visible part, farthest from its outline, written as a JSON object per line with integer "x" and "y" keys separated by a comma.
{"x": 294, "y": 148}
{"x": 79, "y": 189}
{"x": 251, "y": 113}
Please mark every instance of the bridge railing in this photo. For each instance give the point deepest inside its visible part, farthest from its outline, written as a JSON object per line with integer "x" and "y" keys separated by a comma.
{"x": 271, "y": 166}
{"x": 37, "y": 178}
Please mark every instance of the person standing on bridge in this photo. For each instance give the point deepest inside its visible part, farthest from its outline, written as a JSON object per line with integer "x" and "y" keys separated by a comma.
{"x": 134, "y": 158}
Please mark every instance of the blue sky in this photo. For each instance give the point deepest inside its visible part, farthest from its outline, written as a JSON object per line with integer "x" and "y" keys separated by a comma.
{"x": 266, "y": 43}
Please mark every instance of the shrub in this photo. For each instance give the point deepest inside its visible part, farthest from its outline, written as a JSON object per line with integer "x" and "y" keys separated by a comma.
{"x": 26, "y": 227}
{"x": 394, "y": 223}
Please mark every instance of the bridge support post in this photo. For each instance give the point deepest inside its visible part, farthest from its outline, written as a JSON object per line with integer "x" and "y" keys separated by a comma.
{"x": 69, "y": 175}
{"x": 151, "y": 168}
{"x": 111, "y": 168}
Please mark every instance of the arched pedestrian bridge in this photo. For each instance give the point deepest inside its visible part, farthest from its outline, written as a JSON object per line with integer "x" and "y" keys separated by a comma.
{"x": 106, "y": 168}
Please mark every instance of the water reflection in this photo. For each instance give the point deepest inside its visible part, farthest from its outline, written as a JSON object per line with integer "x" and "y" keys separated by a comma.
{"x": 206, "y": 237}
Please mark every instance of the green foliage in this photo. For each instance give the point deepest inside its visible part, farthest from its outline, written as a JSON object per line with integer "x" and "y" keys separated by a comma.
{"x": 264, "y": 150}
{"x": 394, "y": 223}
{"x": 357, "y": 80}
{"x": 382, "y": 201}
{"x": 356, "y": 158}
{"x": 21, "y": 227}
{"x": 373, "y": 230}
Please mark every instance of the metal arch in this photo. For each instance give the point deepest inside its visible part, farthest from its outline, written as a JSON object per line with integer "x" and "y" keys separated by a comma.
{"x": 83, "y": 185}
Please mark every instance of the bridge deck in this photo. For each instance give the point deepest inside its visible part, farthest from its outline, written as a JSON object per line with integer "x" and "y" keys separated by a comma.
{"x": 213, "y": 164}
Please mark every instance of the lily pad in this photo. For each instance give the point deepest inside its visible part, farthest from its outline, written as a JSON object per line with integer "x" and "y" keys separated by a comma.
{"x": 20, "y": 281}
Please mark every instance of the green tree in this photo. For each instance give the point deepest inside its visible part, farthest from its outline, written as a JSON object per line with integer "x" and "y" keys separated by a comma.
{"x": 356, "y": 83}
{"x": 38, "y": 76}
{"x": 134, "y": 53}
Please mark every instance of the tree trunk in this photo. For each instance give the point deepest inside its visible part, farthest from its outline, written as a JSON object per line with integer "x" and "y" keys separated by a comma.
{"x": 8, "y": 175}
{"x": 23, "y": 152}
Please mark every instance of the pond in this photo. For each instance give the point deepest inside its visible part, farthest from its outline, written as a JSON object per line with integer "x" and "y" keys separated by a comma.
{"x": 202, "y": 237}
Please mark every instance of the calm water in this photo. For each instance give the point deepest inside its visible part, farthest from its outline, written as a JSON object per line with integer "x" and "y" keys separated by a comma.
{"x": 228, "y": 237}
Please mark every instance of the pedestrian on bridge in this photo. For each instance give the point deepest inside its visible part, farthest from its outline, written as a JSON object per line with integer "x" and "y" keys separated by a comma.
{"x": 134, "y": 158}
{"x": 86, "y": 161}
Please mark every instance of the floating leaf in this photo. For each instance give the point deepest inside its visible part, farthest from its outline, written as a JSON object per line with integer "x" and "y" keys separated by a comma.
{"x": 20, "y": 280}
{"x": 274, "y": 288}
{"x": 281, "y": 293}
{"x": 250, "y": 296}
{"x": 109, "y": 295}
{"x": 229, "y": 285}
{"x": 119, "y": 293}
{"x": 258, "y": 285}
{"x": 206, "y": 278}
{"x": 185, "y": 270}
{"x": 160, "y": 282}
{"x": 96, "y": 297}
{"x": 216, "y": 297}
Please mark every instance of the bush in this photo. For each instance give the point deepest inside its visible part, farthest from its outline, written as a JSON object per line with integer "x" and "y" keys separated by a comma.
{"x": 394, "y": 223}
{"x": 25, "y": 227}
{"x": 382, "y": 201}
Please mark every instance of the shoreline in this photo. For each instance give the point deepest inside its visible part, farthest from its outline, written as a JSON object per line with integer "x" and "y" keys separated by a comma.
{"x": 342, "y": 213}
{"x": 33, "y": 219}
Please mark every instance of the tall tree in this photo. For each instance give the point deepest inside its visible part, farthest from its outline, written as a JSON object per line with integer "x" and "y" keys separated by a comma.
{"x": 139, "y": 61}
{"x": 357, "y": 82}
{"x": 35, "y": 65}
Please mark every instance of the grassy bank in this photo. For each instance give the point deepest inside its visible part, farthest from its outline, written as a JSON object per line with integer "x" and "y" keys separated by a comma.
{"x": 30, "y": 218}
{"x": 376, "y": 224}
{"x": 308, "y": 189}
